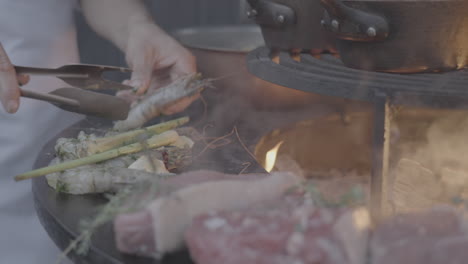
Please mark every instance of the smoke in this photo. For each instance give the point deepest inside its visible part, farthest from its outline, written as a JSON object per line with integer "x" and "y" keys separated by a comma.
{"x": 433, "y": 161}
{"x": 226, "y": 111}
{"x": 448, "y": 142}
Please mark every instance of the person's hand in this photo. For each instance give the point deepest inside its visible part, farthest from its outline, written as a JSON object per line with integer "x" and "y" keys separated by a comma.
{"x": 157, "y": 59}
{"x": 9, "y": 83}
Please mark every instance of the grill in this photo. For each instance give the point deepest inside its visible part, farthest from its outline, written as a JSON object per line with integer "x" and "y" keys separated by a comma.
{"x": 296, "y": 58}
{"x": 325, "y": 74}
{"x": 328, "y": 76}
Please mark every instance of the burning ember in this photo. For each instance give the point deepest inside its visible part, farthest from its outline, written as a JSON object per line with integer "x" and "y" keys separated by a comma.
{"x": 332, "y": 154}
{"x": 426, "y": 156}
{"x": 316, "y": 147}
{"x": 270, "y": 158}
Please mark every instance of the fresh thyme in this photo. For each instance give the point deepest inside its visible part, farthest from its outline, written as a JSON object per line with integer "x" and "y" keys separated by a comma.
{"x": 354, "y": 197}
{"x": 119, "y": 203}
{"x": 61, "y": 186}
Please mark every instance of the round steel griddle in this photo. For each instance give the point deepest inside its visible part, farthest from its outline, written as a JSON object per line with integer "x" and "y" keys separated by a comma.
{"x": 60, "y": 214}
{"x": 328, "y": 76}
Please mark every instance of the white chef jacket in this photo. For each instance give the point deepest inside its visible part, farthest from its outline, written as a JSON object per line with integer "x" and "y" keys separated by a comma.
{"x": 38, "y": 33}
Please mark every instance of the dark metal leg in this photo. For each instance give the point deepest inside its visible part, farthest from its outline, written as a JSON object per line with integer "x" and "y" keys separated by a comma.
{"x": 377, "y": 172}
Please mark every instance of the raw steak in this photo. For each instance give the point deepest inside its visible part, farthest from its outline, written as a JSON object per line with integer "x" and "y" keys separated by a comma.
{"x": 160, "y": 227}
{"x": 289, "y": 234}
{"x": 431, "y": 237}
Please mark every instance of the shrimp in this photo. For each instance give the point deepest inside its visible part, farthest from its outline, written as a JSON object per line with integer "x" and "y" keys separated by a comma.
{"x": 152, "y": 106}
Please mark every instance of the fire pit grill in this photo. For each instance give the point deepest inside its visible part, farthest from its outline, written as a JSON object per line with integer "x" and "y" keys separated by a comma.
{"x": 328, "y": 76}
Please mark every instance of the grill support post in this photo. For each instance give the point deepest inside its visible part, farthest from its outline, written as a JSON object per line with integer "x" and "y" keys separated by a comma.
{"x": 380, "y": 157}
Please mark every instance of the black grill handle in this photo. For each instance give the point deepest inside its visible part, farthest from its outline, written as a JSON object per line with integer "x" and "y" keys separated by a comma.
{"x": 353, "y": 24}
{"x": 271, "y": 14}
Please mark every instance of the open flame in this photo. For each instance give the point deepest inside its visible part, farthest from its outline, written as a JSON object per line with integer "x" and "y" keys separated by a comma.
{"x": 270, "y": 159}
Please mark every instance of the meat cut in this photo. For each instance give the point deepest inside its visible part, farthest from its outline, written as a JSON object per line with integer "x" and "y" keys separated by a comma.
{"x": 300, "y": 233}
{"x": 166, "y": 218}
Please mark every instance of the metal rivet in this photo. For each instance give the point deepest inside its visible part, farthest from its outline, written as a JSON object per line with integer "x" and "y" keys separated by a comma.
{"x": 252, "y": 13}
{"x": 280, "y": 19}
{"x": 371, "y": 32}
{"x": 335, "y": 24}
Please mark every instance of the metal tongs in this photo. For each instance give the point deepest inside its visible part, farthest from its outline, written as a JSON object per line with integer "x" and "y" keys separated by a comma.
{"x": 86, "y": 77}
